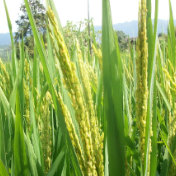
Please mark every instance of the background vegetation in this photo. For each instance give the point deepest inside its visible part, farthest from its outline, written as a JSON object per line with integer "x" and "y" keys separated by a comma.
{"x": 67, "y": 111}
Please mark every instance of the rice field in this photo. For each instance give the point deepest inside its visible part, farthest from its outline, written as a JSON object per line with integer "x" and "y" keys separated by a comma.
{"x": 105, "y": 113}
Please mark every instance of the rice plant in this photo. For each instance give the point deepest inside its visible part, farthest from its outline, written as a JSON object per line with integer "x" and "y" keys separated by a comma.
{"x": 66, "y": 112}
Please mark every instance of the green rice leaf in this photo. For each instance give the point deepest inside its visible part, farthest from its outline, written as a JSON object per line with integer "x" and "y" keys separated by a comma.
{"x": 34, "y": 127}
{"x": 112, "y": 78}
{"x": 171, "y": 35}
{"x": 3, "y": 170}
{"x": 153, "y": 166}
{"x": 2, "y": 135}
{"x": 55, "y": 165}
{"x": 164, "y": 96}
{"x": 162, "y": 136}
{"x": 151, "y": 73}
{"x": 20, "y": 159}
{"x": 32, "y": 160}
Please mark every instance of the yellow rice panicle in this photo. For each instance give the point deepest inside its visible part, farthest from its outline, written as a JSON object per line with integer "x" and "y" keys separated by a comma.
{"x": 72, "y": 133}
{"x": 142, "y": 87}
{"x": 46, "y": 130}
{"x": 76, "y": 94}
{"x": 98, "y": 53}
{"x": 5, "y": 80}
{"x": 98, "y": 151}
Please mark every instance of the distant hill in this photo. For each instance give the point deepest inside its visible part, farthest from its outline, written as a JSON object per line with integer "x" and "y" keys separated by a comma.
{"x": 131, "y": 28}
{"x": 5, "y": 51}
{"x": 5, "y": 39}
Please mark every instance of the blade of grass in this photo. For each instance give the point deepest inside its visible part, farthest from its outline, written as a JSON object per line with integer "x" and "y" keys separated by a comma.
{"x": 21, "y": 74}
{"x": 151, "y": 73}
{"x": 2, "y": 139}
{"x": 171, "y": 34}
{"x": 20, "y": 159}
{"x": 162, "y": 136}
{"x": 153, "y": 166}
{"x": 32, "y": 159}
{"x": 164, "y": 96}
{"x": 112, "y": 78}
{"x": 3, "y": 170}
{"x": 35, "y": 76}
{"x": 127, "y": 103}
{"x": 64, "y": 171}
{"x": 131, "y": 170}
{"x": 34, "y": 127}
{"x": 149, "y": 35}
{"x": 5, "y": 103}
{"x": 56, "y": 163}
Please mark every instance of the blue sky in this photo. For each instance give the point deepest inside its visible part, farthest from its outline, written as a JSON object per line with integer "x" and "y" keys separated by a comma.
{"x": 76, "y": 10}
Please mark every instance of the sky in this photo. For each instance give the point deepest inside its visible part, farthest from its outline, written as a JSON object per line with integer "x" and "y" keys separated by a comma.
{"x": 76, "y": 10}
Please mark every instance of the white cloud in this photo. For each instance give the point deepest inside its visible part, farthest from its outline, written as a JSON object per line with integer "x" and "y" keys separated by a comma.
{"x": 76, "y": 10}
